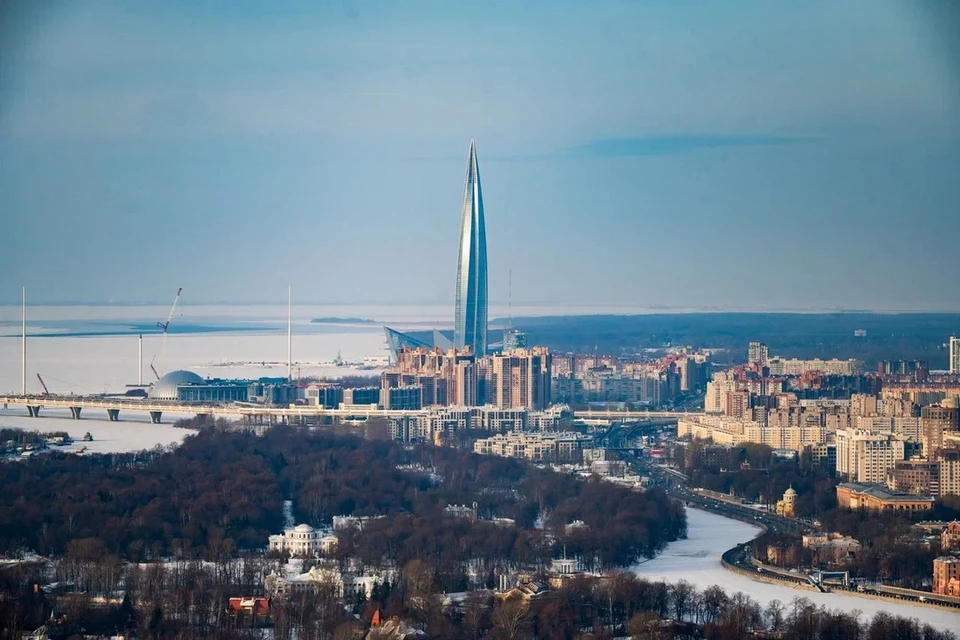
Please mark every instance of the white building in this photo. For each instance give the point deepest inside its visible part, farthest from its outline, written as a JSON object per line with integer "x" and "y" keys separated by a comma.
{"x": 326, "y": 578}
{"x": 864, "y": 456}
{"x": 954, "y": 354}
{"x": 303, "y": 540}
{"x": 559, "y": 447}
{"x": 730, "y": 430}
{"x": 907, "y": 426}
{"x": 794, "y": 367}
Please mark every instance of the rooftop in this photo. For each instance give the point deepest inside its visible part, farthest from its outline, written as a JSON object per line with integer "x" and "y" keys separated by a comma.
{"x": 881, "y": 493}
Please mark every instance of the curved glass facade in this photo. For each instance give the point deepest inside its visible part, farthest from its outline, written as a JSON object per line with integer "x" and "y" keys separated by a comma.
{"x": 470, "y": 323}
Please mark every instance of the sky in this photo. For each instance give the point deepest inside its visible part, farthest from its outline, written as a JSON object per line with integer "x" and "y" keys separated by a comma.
{"x": 760, "y": 155}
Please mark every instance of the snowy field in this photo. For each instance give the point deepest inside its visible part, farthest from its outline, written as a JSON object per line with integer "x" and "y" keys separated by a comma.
{"x": 697, "y": 560}
{"x": 133, "y": 432}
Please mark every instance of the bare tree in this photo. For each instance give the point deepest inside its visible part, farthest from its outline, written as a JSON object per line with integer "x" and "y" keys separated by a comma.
{"x": 683, "y": 596}
{"x": 476, "y": 614}
{"x": 774, "y": 613}
{"x": 511, "y": 619}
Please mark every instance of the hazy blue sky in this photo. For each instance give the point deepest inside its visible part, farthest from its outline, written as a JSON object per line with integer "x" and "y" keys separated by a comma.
{"x": 763, "y": 155}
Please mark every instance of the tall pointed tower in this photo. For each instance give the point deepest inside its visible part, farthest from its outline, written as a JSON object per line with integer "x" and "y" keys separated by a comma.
{"x": 470, "y": 323}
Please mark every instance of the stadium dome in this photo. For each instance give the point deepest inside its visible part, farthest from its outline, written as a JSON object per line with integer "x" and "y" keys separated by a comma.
{"x": 166, "y": 387}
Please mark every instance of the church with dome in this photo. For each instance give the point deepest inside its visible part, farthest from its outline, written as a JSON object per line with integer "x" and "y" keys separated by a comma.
{"x": 787, "y": 507}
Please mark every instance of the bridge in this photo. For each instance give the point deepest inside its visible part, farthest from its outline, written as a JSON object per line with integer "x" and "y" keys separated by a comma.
{"x": 263, "y": 414}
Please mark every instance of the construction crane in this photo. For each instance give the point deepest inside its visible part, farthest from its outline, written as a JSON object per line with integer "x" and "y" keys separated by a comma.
{"x": 43, "y": 384}
{"x": 164, "y": 326}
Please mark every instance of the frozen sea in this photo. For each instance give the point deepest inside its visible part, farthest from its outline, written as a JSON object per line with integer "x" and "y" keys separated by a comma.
{"x": 697, "y": 560}
{"x": 93, "y": 348}
{"x": 133, "y": 432}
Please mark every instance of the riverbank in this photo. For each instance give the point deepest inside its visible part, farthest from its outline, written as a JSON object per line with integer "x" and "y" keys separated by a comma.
{"x": 698, "y": 560}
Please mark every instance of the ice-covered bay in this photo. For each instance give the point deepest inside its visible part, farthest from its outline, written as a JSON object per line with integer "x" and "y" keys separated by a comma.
{"x": 697, "y": 560}
{"x": 107, "y": 364}
{"x": 133, "y": 432}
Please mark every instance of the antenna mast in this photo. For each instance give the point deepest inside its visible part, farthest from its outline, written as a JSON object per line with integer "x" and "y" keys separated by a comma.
{"x": 510, "y": 299}
{"x": 23, "y": 344}
{"x": 289, "y": 334}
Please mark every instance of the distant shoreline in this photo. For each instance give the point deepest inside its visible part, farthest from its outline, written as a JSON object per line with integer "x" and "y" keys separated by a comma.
{"x": 335, "y": 320}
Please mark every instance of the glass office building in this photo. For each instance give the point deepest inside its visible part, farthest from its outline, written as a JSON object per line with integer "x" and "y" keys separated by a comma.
{"x": 470, "y": 322}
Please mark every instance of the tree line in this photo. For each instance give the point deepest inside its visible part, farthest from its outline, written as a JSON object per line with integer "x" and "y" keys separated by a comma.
{"x": 222, "y": 491}
{"x": 186, "y": 601}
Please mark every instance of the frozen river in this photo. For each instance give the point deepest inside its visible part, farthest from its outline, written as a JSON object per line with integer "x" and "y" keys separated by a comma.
{"x": 133, "y": 432}
{"x": 697, "y": 560}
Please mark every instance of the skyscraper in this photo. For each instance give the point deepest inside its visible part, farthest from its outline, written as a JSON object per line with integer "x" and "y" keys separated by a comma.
{"x": 757, "y": 353}
{"x": 954, "y": 354}
{"x": 470, "y": 323}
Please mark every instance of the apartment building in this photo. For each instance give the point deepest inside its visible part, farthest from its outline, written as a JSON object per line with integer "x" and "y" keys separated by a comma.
{"x": 864, "y": 456}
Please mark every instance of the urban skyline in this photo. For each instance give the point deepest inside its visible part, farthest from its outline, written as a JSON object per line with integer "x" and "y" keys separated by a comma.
{"x": 470, "y": 316}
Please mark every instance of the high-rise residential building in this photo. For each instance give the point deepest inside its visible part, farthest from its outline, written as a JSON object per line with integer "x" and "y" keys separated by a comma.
{"x": 954, "y": 354}
{"x": 514, "y": 339}
{"x": 521, "y": 379}
{"x": 757, "y": 353}
{"x": 935, "y": 421}
{"x": 470, "y": 322}
{"x": 717, "y": 390}
{"x": 863, "y": 456}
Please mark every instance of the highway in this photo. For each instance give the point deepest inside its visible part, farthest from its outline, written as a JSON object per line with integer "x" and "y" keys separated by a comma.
{"x": 270, "y": 414}
{"x": 675, "y": 484}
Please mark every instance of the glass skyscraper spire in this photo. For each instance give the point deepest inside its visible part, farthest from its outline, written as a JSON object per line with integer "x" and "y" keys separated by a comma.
{"x": 470, "y": 323}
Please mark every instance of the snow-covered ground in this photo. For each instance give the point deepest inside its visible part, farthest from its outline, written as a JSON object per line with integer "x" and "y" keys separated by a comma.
{"x": 133, "y": 432}
{"x": 697, "y": 560}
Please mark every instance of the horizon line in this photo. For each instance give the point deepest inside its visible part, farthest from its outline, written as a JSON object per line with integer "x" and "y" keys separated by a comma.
{"x": 638, "y": 308}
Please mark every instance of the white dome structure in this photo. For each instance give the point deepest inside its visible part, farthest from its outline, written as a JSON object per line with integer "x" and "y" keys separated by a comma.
{"x": 166, "y": 387}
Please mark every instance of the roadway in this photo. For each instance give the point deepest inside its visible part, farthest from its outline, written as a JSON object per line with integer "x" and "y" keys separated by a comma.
{"x": 291, "y": 413}
{"x": 675, "y": 484}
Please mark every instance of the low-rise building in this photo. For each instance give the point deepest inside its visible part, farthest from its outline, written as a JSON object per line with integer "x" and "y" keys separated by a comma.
{"x": 946, "y": 576}
{"x": 539, "y": 447}
{"x": 324, "y": 578}
{"x": 877, "y": 498}
{"x": 832, "y": 548}
{"x": 787, "y": 507}
{"x": 950, "y": 536}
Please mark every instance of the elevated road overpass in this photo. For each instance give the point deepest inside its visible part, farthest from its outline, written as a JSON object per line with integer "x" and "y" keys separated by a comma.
{"x": 261, "y": 413}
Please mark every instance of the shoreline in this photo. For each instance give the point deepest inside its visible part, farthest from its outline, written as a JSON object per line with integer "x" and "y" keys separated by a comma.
{"x": 770, "y": 577}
